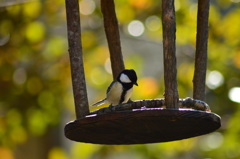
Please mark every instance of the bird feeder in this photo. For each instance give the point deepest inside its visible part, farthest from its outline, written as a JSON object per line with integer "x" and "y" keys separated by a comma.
{"x": 145, "y": 121}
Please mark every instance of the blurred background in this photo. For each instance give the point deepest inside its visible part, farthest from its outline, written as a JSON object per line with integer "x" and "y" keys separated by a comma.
{"x": 36, "y": 99}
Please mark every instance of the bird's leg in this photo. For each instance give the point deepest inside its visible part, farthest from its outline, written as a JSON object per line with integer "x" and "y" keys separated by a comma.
{"x": 129, "y": 101}
{"x": 110, "y": 107}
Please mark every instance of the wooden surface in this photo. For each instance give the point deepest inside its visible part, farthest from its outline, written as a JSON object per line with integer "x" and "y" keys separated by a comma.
{"x": 140, "y": 126}
{"x": 76, "y": 61}
{"x": 169, "y": 53}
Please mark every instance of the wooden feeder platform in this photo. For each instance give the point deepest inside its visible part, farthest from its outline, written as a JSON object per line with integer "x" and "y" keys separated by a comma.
{"x": 141, "y": 126}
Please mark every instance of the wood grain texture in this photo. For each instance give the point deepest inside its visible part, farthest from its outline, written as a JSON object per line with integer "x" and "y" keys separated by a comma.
{"x": 113, "y": 37}
{"x": 169, "y": 53}
{"x": 201, "y": 50}
{"x": 142, "y": 126}
{"x": 76, "y": 61}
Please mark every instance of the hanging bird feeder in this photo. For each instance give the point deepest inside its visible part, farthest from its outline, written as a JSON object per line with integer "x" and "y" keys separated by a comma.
{"x": 145, "y": 121}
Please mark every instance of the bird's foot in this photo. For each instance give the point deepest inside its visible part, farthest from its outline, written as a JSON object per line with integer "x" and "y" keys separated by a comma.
{"x": 110, "y": 107}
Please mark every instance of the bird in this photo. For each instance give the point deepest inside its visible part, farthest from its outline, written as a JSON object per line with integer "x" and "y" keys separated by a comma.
{"x": 120, "y": 90}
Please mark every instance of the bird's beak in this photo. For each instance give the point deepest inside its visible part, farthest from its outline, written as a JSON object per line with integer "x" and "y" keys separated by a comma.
{"x": 136, "y": 84}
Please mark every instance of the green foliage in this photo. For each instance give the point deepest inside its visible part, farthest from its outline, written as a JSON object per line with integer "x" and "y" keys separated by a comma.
{"x": 35, "y": 81}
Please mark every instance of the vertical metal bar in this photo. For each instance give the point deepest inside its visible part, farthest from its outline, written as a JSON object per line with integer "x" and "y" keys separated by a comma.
{"x": 169, "y": 51}
{"x": 113, "y": 37}
{"x": 201, "y": 50}
{"x": 75, "y": 53}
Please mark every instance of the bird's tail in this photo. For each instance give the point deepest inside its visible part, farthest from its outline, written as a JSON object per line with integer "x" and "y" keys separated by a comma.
{"x": 101, "y": 102}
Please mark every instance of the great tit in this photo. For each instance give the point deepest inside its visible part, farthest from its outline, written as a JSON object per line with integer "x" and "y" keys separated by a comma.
{"x": 120, "y": 91}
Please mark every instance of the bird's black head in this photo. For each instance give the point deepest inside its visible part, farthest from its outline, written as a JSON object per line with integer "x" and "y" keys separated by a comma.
{"x": 128, "y": 77}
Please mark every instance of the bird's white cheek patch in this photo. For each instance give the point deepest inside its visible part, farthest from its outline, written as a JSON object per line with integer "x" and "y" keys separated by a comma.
{"x": 124, "y": 78}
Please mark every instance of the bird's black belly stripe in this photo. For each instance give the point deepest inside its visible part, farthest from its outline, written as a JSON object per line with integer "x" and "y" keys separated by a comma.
{"x": 126, "y": 87}
{"x": 123, "y": 96}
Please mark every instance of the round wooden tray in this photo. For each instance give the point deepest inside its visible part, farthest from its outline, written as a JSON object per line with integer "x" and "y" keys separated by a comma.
{"x": 140, "y": 126}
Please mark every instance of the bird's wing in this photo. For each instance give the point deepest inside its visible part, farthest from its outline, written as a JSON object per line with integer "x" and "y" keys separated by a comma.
{"x": 104, "y": 100}
{"x": 99, "y": 102}
{"x": 109, "y": 87}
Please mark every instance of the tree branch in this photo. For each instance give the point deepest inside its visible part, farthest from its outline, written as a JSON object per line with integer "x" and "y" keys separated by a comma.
{"x": 169, "y": 50}
{"x": 201, "y": 50}
{"x": 154, "y": 103}
{"x": 113, "y": 37}
{"x": 75, "y": 53}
